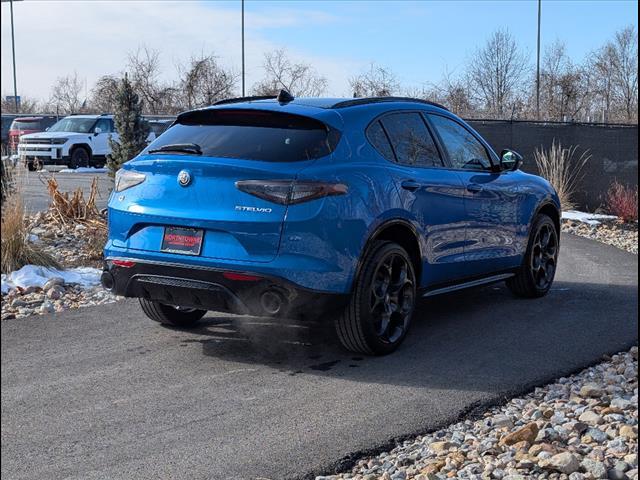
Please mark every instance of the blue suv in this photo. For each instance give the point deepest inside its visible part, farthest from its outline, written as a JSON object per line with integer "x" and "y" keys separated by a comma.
{"x": 298, "y": 207}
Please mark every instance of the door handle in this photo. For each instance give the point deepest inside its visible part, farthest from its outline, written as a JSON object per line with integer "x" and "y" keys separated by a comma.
{"x": 474, "y": 188}
{"x": 410, "y": 185}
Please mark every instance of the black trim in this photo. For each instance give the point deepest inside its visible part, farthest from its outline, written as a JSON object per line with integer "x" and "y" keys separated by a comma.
{"x": 245, "y": 99}
{"x": 368, "y": 100}
{"x": 467, "y": 282}
{"x": 208, "y": 289}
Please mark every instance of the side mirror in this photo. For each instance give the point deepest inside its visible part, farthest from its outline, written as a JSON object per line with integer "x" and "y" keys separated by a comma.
{"x": 97, "y": 130}
{"x": 47, "y": 129}
{"x": 510, "y": 160}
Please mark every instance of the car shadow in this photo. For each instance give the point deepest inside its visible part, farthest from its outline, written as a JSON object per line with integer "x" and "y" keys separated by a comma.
{"x": 474, "y": 340}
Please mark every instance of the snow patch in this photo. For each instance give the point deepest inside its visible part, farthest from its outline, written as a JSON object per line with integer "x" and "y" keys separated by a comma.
{"x": 37, "y": 276}
{"x": 83, "y": 170}
{"x": 588, "y": 218}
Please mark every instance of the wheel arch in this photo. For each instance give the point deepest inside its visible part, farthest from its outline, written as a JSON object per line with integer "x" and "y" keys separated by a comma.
{"x": 399, "y": 231}
{"x": 550, "y": 209}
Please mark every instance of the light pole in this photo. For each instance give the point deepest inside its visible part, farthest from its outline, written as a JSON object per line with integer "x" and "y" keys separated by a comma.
{"x": 538, "y": 64}
{"x": 13, "y": 52}
{"x": 242, "y": 1}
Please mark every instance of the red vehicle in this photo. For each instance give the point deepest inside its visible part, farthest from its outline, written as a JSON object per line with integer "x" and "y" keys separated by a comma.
{"x": 23, "y": 125}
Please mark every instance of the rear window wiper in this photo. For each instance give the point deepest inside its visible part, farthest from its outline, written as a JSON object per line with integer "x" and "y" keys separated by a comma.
{"x": 192, "y": 148}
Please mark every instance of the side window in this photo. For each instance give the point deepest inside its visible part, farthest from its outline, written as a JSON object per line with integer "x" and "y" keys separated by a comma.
{"x": 411, "y": 140}
{"x": 104, "y": 125}
{"x": 464, "y": 149}
{"x": 379, "y": 140}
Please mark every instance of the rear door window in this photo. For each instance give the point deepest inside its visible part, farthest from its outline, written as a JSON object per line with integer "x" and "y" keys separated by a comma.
{"x": 251, "y": 135}
{"x": 411, "y": 140}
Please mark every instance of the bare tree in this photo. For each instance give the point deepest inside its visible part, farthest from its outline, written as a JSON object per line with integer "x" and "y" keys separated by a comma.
{"x": 452, "y": 92}
{"x": 625, "y": 71}
{"x": 144, "y": 73}
{"x": 204, "y": 82}
{"x": 601, "y": 64}
{"x": 378, "y": 81}
{"x": 26, "y": 105}
{"x": 66, "y": 94}
{"x": 299, "y": 79}
{"x": 496, "y": 73}
{"x": 565, "y": 88}
{"x": 103, "y": 94}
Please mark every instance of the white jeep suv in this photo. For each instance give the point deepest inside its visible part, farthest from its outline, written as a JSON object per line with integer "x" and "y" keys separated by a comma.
{"x": 74, "y": 141}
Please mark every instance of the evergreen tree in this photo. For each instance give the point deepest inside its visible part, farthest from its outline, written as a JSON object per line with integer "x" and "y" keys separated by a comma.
{"x": 131, "y": 127}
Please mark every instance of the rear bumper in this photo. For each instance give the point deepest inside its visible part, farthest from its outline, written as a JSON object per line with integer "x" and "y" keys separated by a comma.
{"x": 243, "y": 293}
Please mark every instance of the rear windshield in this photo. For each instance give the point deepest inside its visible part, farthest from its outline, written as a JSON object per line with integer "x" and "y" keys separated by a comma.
{"x": 26, "y": 124}
{"x": 251, "y": 135}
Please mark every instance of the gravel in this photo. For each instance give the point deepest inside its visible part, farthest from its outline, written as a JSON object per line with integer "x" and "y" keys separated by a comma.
{"x": 73, "y": 246}
{"x": 580, "y": 427}
{"x": 618, "y": 234}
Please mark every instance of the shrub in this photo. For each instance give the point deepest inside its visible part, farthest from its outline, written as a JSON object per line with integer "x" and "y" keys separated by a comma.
{"x": 623, "y": 202}
{"x": 17, "y": 251}
{"x": 558, "y": 166}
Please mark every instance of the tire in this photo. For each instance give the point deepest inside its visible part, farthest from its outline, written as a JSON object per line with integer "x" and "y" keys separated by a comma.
{"x": 168, "y": 315}
{"x": 31, "y": 166}
{"x": 378, "y": 315}
{"x": 79, "y": 158}
{"x": 535, "y": 277}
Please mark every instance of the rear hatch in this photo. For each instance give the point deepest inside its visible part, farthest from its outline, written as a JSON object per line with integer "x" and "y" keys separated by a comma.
{"x": 226, "y": 174}
{"x": 23, "y": 126}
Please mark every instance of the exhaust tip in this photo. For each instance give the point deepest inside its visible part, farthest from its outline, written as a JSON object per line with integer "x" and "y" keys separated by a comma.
{"x": 272, "y": 302}
{"x": 107, "y": 280}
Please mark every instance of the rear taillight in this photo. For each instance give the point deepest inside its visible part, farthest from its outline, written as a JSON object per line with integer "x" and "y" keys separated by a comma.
{"x": 287, "y": 192}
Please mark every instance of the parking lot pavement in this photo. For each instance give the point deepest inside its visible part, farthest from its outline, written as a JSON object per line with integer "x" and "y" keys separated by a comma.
{"x": 105, "y": 393}
{"x": 34, "y": 186}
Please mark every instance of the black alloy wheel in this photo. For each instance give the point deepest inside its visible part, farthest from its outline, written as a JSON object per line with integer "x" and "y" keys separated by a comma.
{"x": 378, "y": 316}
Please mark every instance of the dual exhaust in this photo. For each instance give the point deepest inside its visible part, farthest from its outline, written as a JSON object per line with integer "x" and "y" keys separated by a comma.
{"x": 272, "y": 301}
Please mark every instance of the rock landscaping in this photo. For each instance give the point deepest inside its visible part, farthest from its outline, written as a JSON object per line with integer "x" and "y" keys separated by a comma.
{"x": 582, "y": 427}
{"x": 618, "y": 234}
{"x": 72, "y": 245}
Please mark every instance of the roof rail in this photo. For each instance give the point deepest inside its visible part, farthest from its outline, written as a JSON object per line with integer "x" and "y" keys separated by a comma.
{"x": 245, "y": 99}
{"x": 366, "y": 100}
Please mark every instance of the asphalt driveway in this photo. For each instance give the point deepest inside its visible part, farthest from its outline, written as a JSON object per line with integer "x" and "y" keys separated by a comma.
{"x": 33, "y": 186}
{"x": 104, "y": 393}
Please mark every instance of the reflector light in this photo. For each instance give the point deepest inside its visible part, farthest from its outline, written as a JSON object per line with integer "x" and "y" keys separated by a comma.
{"x": 241, "y": 277}
{"x": 124, "y": 263}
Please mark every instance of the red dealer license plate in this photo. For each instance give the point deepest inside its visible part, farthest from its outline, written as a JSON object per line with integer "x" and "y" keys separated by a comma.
{"x": 182, "y": 240}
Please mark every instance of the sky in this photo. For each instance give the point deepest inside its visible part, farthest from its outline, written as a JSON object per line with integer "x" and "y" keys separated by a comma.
{"x": 418, "y": 40}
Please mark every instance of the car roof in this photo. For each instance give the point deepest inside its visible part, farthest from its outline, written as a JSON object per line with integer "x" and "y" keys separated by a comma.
{"x": 90, "y": 116}
{"x": 327, "y": 103}
{"x": 327, "y": 110}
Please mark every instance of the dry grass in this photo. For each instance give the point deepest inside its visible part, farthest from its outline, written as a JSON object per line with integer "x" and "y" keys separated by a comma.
{"x": 6, "y": 179}
{"x": 71, "y": 208}
{"x": 17, "y": 251}
{"x": 564, "y": 172}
